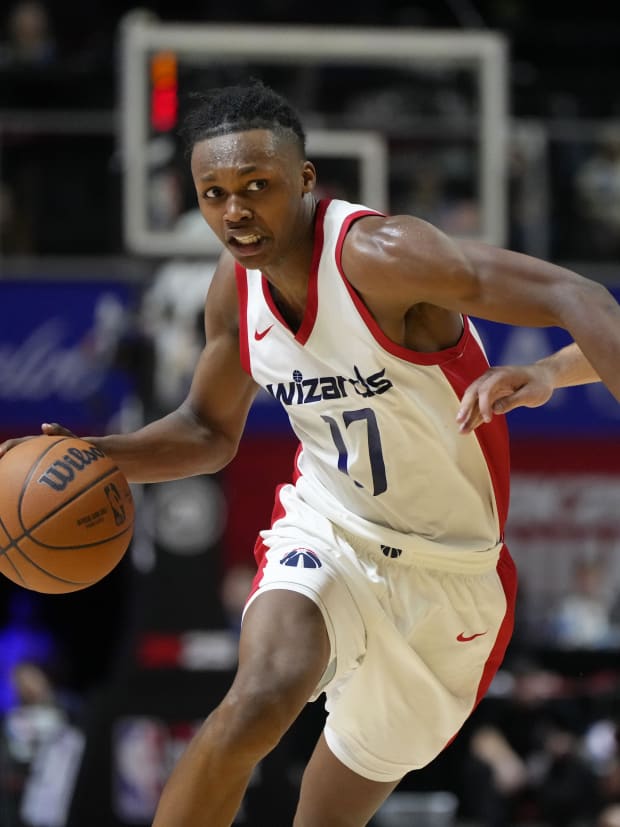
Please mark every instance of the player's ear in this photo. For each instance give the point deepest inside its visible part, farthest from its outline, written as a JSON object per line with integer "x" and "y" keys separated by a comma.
{"x": 308, "y": 176}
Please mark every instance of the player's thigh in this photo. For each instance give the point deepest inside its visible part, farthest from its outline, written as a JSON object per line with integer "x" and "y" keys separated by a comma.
{"x": 284, "y": 648}
{"x": 332, "y": 795}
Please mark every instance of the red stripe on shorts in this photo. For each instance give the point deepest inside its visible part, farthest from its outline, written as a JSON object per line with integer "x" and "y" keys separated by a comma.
{"x": 260, "y": 549}
{"x": 508, "y": 577}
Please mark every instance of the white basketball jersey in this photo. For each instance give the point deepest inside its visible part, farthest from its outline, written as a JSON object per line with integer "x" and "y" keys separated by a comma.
{"x": 380, "y": 452}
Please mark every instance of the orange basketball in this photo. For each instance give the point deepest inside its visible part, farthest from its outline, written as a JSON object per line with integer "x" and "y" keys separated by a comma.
{"x": 66, "y": 514}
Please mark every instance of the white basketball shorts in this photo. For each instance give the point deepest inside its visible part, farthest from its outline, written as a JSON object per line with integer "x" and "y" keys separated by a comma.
{"x": 415, "y": 637}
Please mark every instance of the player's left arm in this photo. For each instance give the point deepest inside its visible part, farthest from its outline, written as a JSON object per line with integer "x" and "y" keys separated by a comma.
{"x": 415, "y": 262}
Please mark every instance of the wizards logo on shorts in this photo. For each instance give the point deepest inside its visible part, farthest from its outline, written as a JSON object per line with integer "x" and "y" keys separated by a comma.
{"x": 301, "y": 558}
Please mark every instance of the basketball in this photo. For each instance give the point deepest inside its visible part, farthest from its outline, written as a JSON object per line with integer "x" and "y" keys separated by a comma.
{"x": 66, "y": 514}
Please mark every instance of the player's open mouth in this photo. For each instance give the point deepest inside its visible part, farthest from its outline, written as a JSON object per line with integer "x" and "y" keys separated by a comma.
{"x": 248, "y": 244}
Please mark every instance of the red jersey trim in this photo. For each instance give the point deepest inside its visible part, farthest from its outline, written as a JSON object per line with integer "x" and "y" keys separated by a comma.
{"x": 241, "y": 275}
{"x": 438, "y": 357}
{"x": 492, "y": 436}
{"x": 312, "y": 297}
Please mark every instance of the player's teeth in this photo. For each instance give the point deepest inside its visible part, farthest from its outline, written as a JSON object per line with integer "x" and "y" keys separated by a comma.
{"x": 247, "y": 239}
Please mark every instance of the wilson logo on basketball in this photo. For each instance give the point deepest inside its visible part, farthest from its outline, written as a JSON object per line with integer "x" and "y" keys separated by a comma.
{"x": 63, "y": 471}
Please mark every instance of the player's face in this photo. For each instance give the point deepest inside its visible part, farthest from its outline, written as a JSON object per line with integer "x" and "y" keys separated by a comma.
{"x": 251, "y": 189}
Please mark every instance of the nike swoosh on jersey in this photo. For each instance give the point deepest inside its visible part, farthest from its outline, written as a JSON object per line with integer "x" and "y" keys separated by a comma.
{"x": 260, "y": 334}
{"x": 463, "y": 638}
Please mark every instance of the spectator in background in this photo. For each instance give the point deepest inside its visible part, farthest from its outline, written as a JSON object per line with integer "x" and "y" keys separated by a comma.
{"x": 30, "y": 41}
{"x": 606, "y": 734}
{"x": 23, "y": 637}
{"x": 526, "y": 759}
{"x": 494, "y": 777}
{"x": 582, "y": 618}
{"x": 610, "y": 817}
{"x": 566, "y": 787}
{"x": 39, "y": 712}
{"x": 597, "y": 185}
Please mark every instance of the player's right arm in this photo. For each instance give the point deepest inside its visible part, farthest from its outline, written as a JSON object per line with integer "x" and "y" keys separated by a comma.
{"x": 202, "y": 435}
{"x": 501, "y": 389}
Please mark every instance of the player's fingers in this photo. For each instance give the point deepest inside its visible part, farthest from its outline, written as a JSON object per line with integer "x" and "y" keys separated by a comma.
{"x": 54, "y": 429}
{"x": 488, "y": 393}
{"x": 469, "y": 415}
{"x": 469, "y": 403}
{"x": 471, "y": 423}
{"x": 48, "y": 428}
{"x": 477, "y": 402}
{"x": 525, "y": 396}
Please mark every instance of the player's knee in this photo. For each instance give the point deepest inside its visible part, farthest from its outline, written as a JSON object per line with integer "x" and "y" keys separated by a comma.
{"x": 253, "y": 723}
{"x": 259, "y": 708}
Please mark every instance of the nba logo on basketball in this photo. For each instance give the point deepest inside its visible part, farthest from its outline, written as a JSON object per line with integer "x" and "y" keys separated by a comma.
{"x": 114, "y": 498}
{"x": 301, "y": 558}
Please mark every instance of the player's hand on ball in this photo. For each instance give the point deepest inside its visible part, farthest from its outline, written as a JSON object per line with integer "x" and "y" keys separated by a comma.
{"x": 48, "y": 428}
{"x": 54, "y": 429}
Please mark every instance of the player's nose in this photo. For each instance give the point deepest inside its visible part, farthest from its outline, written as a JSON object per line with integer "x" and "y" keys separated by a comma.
{"x": 236, "y": 209}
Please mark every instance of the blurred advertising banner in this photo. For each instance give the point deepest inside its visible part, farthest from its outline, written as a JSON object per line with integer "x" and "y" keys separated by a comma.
{"x": 63, "y": 349}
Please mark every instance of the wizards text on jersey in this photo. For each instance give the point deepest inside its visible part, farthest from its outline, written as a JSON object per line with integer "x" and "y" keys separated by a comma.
{"x": 304, "y": 391}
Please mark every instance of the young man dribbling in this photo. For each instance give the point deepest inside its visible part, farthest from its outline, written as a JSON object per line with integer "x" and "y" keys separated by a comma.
{"x": 383, "y": 580}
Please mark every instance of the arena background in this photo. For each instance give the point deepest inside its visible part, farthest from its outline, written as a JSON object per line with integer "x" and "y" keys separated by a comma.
{"x": 100, "y": 323}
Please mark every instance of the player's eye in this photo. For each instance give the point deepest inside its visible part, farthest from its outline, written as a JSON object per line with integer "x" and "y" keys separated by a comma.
{"x": 212, "y": 192}
{"x": 257, "y": 185}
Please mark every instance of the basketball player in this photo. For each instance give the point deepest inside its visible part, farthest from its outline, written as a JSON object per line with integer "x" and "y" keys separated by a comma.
{"x": 383, "y": 581}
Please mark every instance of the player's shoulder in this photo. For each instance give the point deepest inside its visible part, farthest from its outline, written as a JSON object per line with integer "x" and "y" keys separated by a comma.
{"x": 225, "y": 267}
{"x": 394, "y": 242}
{"x": 222, "y": 299}
{"x": 385, "y": 233}
{"x": 224, "y": 276}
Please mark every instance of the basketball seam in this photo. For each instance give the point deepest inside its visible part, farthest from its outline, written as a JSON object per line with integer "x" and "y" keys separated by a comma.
{"x": 26, "y": 536}
{"x": 79, "y": 545}
{"x": 49, "y": 574}
{"x": 26, "y": 482}
{"x": 11, "y": 562}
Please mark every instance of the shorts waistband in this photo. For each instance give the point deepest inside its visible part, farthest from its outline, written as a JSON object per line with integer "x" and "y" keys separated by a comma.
{"x": 402, "y": 549}
{"x": 425, "y": 553}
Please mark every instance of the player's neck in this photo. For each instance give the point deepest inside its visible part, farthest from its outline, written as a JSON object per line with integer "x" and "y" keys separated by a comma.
{"x": 291, "y": 304}
{"x": 289, "y": 275}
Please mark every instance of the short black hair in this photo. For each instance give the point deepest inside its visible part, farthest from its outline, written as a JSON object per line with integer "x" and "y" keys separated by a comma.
{"x": 229, "y": 109}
